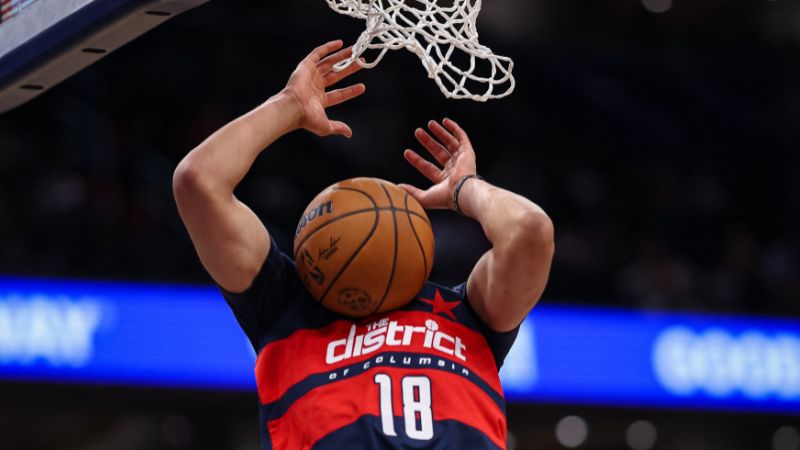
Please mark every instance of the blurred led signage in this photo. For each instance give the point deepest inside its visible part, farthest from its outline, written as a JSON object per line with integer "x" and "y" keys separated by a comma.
{"x": 121, "y": 334}
{"x": 607, "y": 356}
{"x": 185, "y": 337}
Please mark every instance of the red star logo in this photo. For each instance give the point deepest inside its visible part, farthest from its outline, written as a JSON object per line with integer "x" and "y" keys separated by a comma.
{"x": 441, "y": 306}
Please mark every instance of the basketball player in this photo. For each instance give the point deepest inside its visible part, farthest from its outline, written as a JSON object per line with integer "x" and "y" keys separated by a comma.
{"x": 424, "y": 376}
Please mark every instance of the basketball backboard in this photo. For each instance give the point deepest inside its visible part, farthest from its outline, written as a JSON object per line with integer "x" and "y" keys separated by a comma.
{"x": 43, "y": 42}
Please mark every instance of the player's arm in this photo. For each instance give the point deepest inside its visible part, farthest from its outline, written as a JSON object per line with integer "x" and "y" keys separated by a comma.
{"x": 509, "y": 279}
{"x": 230, "y": 240}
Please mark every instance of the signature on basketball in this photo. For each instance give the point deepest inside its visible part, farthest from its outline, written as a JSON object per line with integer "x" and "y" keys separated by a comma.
{"x": 326, "y": 252}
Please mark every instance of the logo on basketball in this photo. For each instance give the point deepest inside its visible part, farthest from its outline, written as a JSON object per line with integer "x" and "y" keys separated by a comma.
{"x": 319, "y": 211}
{"x": 355, "y": 300}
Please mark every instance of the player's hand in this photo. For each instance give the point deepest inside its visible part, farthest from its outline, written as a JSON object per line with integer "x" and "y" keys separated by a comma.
{"x": 452, "y": 149}
{"x": 308, "y": 84}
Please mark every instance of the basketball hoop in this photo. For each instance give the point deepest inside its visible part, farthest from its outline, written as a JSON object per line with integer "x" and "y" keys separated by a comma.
{"x": 444, "y": 37}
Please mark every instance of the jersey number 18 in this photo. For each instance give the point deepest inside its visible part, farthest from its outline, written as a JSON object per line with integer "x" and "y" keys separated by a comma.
{"x": 417, "y": 413}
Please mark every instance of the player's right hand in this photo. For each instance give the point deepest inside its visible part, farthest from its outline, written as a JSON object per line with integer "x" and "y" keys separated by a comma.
{"x": 308, "y": 84}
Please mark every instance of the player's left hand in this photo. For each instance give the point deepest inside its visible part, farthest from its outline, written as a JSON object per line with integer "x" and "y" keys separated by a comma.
{"x": 452, "y": 149}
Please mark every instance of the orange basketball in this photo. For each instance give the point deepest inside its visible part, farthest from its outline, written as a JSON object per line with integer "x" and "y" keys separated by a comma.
{"x": 364, "y": 246}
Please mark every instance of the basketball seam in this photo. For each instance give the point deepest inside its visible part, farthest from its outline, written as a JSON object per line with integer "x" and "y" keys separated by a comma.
{"x": 353, "y": 213}
{"x": 358, "y": 250}
{"x": 416, "y": 236}
{"x": 394, "y": 257}
{"x": 343, "y": 216}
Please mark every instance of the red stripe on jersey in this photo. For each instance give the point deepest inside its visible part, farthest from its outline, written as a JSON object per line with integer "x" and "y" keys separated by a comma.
{"x": 336, "y": 405}
{"x": 285, "y": 362}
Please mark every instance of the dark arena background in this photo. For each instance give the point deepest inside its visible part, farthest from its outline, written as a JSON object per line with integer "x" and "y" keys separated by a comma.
{"x": 662, "y": 137}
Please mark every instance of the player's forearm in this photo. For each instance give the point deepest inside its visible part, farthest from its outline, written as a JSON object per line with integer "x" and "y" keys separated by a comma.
{"x": 220, "y": 163}
{"x": 511, "y": 222}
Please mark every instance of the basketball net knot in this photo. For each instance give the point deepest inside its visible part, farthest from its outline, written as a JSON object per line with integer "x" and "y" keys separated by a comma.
{"x": 445, "y": 38}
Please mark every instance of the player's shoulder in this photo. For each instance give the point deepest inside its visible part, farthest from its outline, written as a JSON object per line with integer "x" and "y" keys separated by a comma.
{"x": 452, "y": 303}
{"x": 447, "y": 302}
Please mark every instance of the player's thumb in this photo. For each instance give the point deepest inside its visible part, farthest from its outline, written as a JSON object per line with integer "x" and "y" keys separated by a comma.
{"x": 341, "y": 128}
{"x": 415, "y": 192}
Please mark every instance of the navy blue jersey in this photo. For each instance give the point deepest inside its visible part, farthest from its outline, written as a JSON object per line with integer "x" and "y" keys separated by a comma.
{"x": 424, "y": 376}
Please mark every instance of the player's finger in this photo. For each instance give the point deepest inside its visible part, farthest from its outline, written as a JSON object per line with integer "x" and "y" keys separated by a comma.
{"x": 433, "y": 146}
{"x": 456, "y": 129}
{"x": 329, "y": 61}
{"x": 318, "y": 53}
{"x": 332, "y": 77}
{"x": 340, "y": 128}
{"x": 444, "y": 136}
{"x": 424, "y": 166}
{"x": 342, "y": 95}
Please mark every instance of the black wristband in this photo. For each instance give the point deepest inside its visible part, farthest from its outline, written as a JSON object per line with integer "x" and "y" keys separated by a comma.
{"x": 457, "y": 190}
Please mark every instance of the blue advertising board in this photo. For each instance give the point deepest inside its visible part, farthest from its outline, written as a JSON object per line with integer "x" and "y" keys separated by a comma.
{"x": 171, "y": 336}
{"x": 606, "y": 356}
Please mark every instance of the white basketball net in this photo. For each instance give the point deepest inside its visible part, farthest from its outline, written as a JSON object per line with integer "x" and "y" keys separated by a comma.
{"x": 439, "y": 35}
